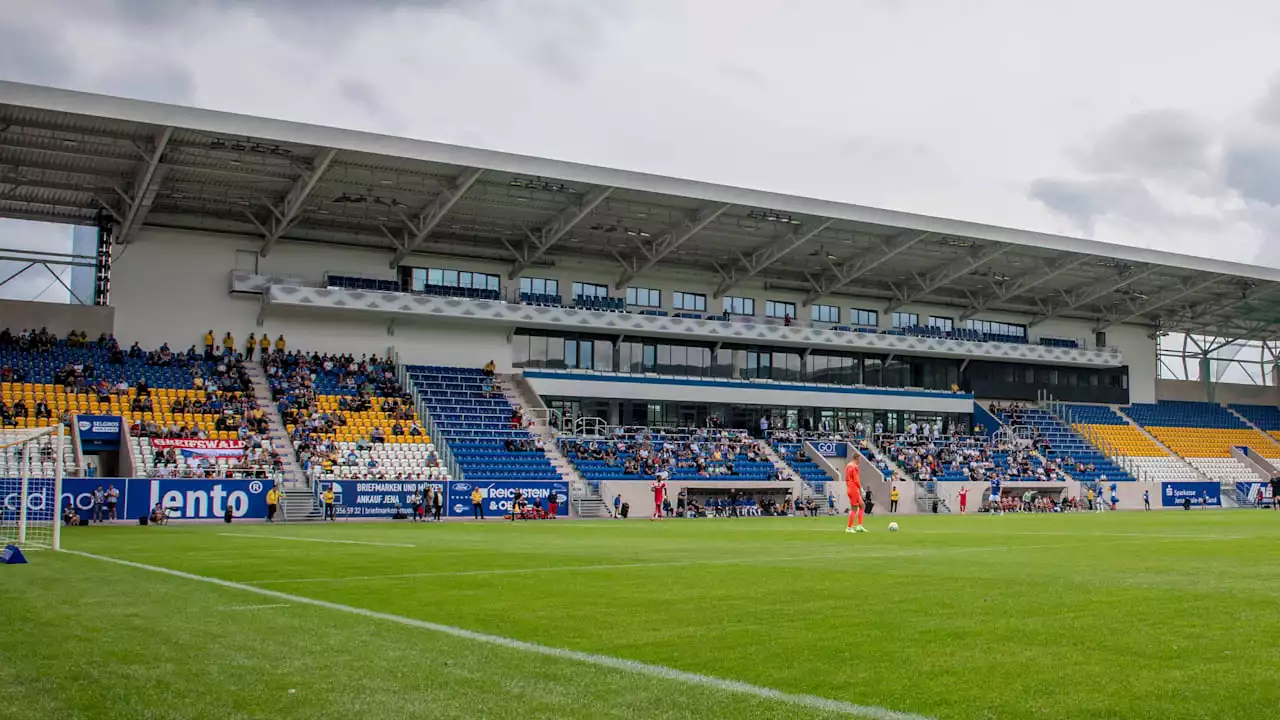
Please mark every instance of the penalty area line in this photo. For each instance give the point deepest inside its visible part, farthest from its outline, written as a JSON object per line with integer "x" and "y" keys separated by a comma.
{"x": 662, "y": 672}
{"x": 319, "y": 540}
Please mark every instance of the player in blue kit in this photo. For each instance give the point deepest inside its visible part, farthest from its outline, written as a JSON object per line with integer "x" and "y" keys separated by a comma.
{"x": 995, "y": 496}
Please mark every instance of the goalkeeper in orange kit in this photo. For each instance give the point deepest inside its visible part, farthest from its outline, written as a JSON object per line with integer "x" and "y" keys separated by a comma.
{"x": 853, "y": 486}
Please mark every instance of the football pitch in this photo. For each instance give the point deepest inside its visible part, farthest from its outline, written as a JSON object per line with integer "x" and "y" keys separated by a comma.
{"x": 1123, "y": 615}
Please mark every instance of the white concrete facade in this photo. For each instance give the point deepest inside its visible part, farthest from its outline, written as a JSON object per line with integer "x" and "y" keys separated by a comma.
{"x": 174, "y": 285}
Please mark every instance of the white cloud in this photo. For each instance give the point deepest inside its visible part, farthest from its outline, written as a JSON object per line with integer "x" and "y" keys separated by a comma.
{"x": 972, "y": 109}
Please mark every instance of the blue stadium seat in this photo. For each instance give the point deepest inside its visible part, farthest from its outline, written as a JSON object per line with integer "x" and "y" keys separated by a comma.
{"x": 477, "y": 429}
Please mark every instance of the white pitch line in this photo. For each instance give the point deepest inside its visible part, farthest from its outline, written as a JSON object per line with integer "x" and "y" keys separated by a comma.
{"x": 319, "y": 540}
{"x": 538, "y": 570}
{"x": 254, "y": 607}
{"x": 632, "y": 666}
{"x": 675, "y": 563}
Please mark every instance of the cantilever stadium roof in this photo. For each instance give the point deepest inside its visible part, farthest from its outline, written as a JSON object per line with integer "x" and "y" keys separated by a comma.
{"x": 65, "y": 155}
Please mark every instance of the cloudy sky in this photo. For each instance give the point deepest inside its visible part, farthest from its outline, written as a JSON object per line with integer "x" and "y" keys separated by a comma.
{"x": 1145, "y": 122}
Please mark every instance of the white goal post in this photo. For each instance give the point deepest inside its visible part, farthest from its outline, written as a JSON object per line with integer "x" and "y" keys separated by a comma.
{"x": 31, "y": 472}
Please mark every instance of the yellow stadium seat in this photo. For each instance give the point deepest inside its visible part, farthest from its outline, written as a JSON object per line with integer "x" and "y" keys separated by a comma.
{"x": 1125, "y": 440}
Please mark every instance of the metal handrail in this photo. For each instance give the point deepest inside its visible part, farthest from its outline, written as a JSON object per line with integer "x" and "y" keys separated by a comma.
{"x": 582, "y": 424}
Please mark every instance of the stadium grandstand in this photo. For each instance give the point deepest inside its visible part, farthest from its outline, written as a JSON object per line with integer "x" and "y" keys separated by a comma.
{"x": 466, "y": 316}
{"x": 285, "y": 322}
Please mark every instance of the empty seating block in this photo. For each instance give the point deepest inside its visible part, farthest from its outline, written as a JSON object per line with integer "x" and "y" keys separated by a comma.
{"x": 595, "y": 302}
{"x": 461, "y": 292}
{"x": 478, "y": 427}
{"x": 359, "y": 283}
{"x": 1123, "y": 440}
{"x": 1204, "y": 435}
{"x": 1264, "y": 417}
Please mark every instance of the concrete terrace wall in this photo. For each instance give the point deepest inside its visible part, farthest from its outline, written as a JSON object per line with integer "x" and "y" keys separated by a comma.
{"x": 1194, "y": 391}
{"x": 173, "y": 286}
{"x": 59, "y": 318}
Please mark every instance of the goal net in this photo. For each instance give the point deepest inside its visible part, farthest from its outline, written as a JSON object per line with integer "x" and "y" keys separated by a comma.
{"x": 31, "y": 467}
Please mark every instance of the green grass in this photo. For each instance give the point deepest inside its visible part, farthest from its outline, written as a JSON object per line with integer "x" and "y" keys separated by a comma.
{"x": 1125, "y": 615}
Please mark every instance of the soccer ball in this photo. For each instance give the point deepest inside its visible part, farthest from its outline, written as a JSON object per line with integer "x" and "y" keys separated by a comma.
{"x": 893, "y": 527}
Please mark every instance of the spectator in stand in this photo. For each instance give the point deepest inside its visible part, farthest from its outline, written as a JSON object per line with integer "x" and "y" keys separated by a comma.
{"x": 280, "y": 345}
{"x": 264, "y": 346}
{"x": 249, "y": 346}
{"x": 489, "y": 368}
{"x": 228, "y": 345}
{"x": 208, "y": 345}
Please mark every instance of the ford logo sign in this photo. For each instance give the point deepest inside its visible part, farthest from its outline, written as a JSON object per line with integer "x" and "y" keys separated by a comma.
{"x": 461, "y": 486}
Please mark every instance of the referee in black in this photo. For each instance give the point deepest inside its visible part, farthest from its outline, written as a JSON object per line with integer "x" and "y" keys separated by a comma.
{"x": 1275, "y": 491}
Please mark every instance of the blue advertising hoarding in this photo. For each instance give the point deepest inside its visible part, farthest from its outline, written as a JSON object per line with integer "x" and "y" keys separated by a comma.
{"x": 1248, "y": 493}
{"x": 497, "y": 497}
{"x": 209, "y": 499}
{"x": 99, "y": 432}
{"x": 1172, "y": 494}
{"x": 185, "y": 499}
{"x": 371, "y": 499}
{"x": 375, "y": 498}
{"x": 831, "y": 449}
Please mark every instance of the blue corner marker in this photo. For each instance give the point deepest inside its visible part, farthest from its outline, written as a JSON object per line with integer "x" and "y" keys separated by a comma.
{"x": 13, "y": 556}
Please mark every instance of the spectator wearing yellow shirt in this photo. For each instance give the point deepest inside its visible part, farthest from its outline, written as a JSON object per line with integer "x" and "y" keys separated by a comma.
{"x": 273, "y": 501}
{"x": 208, "y": 345}
{"x": 249, "y": 346}
{"x": 893, "y": 499}
{"x": 263, "y": 346}
{"x": 228, "y": 344}
{"x": 477, "y": 504}
{"x": 280, "y": 345}
{"x": 328, "y": 503}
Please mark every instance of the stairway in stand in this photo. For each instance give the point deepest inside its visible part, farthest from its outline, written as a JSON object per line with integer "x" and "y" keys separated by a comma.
{"x": 299, "y": 501}
{"x": 584, "y": 498}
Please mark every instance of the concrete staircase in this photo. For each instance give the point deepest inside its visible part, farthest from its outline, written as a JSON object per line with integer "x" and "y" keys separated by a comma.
{"x": 584, "y": 498}
{"x": 296, "y": 482}
{"x": 300, "y": 506}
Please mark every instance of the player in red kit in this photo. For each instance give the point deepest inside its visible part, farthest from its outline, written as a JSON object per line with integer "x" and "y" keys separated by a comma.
{"x": 964, "y": 498}
{"x": 853, "y": 486}
{"x": 659, "y": 488}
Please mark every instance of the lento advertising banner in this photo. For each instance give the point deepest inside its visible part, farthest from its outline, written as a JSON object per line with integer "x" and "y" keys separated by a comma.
{"x": 184, "y": 499}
